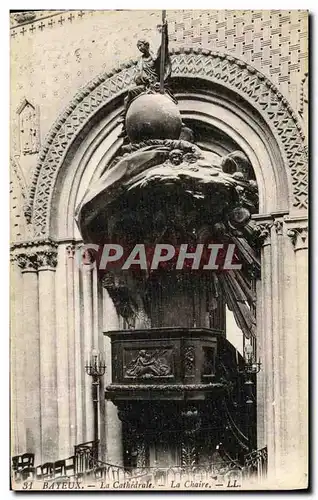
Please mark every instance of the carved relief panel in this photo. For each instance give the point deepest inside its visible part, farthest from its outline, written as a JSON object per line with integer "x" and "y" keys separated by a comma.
{"x": 29, "y": 130}
{"x": 148, "y": 363}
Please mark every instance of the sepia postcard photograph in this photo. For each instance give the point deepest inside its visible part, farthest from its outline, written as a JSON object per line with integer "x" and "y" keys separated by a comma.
{"x": 158, "y": 250}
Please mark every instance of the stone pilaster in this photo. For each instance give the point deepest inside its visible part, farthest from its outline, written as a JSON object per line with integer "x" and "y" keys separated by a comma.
{"x": 277, "y": 278}
{"x": 282, "y": 344}
{"x": 79, "y": 355}
{"x": 265, "y": 386}
{"x": 62, "y": 312}
{"x": 37, "y": 261}
{"x": 29, "y": 393}
{"x": 297, "y": 231}
{"x": 17, "y": 347}
{"x": 87, "y": 276}
{"x": 70, "y": 270}
{"x": 47, "y": 261}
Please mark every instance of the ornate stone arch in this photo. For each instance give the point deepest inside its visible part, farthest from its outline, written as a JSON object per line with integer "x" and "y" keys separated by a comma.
{"x": 226, "y": 70}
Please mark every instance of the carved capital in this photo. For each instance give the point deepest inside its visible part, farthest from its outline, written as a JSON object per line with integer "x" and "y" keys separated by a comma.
{"x": 278, "y": 225}
{"x": 32, "y": 255}
{"x": 299, "y": 237}
{"x": 27, "y": 262}
{"x": 262, "y": 231}
{"x": 47, "y": 258}
{"x": 70, "y": 251}
{"x": 85, "y": 255}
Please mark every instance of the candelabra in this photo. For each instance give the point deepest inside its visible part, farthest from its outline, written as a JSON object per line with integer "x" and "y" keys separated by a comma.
{"x": 251, "y": 368}
{"x": 95, "y": 368}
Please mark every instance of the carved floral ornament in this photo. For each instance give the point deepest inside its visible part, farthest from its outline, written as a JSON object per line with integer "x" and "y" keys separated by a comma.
{"x": 297, "y": 232}
{"x": 299, "y": 237}
{"x": 192, "y": 62}
{"x": 34, "y": 256}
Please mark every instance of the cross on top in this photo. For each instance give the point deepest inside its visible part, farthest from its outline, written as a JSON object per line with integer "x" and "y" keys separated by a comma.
{"x": 41, "y": 26}
{"x": 51, "y": 23}
{"x": 71, "y": 17}
{"x": 23, "y": 31}
{"x": 32, "y": 28}
{"x": 61, "y": 20}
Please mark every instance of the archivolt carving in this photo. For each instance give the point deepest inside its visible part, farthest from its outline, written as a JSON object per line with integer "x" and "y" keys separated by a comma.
{"x": 221, "y": 68}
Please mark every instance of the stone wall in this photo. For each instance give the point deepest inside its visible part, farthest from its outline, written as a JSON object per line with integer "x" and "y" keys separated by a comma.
{"x": 57, "y": 52}
{"x": 61, "y": 51}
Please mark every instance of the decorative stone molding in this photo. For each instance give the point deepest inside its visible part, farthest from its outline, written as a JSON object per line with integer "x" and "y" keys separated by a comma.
{"x": 166, "y": 387}
{"x": 226, "y": 70}
{"x": 303, "y": 94}
{"x": 25, "y": 17}
{"x": 33, "y": 21}
{"x": 32, "y": 256}
{"x": 47, "y": 259}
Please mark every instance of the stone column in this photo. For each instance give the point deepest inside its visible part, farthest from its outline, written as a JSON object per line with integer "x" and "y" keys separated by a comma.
{"x": 62, "y": 357}
{"x": 29, "y": 351}
{"x": 265, "y": 385}
{"x": 17, "y": 343}
{"x": 289, "y": 396}
{"x": 298, "y": 233}
{"x": 70, "y": 254}
{"x": 260, "y": 380}
{"x": 47, "y": 259}
{"x": 114, "y": 438}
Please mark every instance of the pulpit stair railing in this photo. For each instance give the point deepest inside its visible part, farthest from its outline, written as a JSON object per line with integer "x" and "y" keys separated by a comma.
{"x": 83, "y": 466}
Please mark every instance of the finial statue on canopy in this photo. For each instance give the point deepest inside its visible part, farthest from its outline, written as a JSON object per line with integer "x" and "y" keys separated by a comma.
{"x": 153, "y": 70}
{"x": 150, "y": 65}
